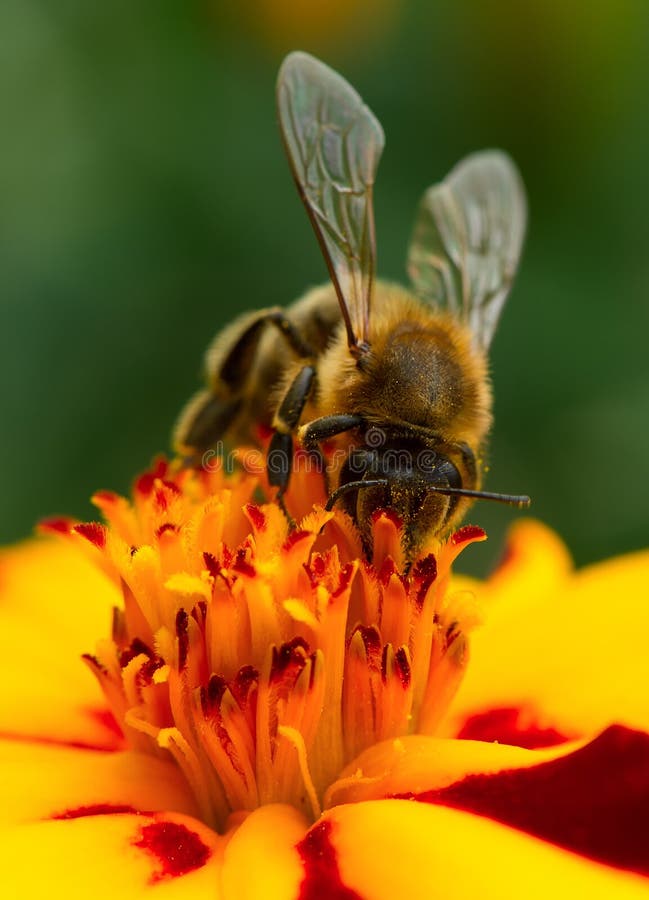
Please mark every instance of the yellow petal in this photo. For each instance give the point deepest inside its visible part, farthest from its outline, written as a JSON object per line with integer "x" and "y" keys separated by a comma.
{"x": 52, "y": 582}
{"x": 54, "y": 603}
{"x": 41, "y": 782}
{"x": 396, "y": 848}
{"x": 109, "y": 856}
{"x": 534, "y": 564}
{"x": 261, "y": 861}
{"x": 563, "y": 651}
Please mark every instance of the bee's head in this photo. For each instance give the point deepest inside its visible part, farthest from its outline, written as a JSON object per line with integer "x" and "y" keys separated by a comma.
{"x": 427, "y": 489}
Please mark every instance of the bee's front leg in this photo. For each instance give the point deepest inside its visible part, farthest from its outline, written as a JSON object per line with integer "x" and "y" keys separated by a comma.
{"x": 313, "y": 433}
{"x": 280, "y": 450}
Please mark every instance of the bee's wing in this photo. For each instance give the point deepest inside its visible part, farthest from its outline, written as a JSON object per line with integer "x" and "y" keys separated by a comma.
{"x": 334, "y": 144}
{"x": 467, "y": 240}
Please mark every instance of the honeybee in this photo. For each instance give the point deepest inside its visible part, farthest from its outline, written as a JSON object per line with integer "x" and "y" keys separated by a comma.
{"x": 396, "y": 381}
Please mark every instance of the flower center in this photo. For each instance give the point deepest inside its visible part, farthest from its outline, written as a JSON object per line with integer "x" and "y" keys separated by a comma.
{"x": 264, "y": 660}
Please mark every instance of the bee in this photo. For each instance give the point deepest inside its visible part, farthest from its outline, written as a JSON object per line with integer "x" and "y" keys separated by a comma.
{"x": 395, "y": 380}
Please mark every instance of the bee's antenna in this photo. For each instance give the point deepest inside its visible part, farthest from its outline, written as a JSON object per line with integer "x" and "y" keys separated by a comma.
{"x": 519, "y": 500}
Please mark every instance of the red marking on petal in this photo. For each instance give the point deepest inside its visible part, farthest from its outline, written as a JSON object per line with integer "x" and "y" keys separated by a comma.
{"x": 182, "y": 624}
{"x": 95, "y": 809}
{"x": 402, "y": 667}
{"x": 468, "y": 533}
{"x": 425, "y": 568}
{"x": 211, "y": 564}
{"x": 372, "y": 643}
{"x": 56, "y": 525}
{"x": 288, "y": 661}
{"x": 452, "y": 633}
{"x": 177, "y": 849}
{"x": 345, "y": 577}
{"x": 135, "y": 648}
{"x": 144, "y": 484}
{"x": 93, "y": 662}
{"x": 93, "y": 532}
{"x": 594, "y": 801}
{"x": 161, "y": 500}
{"x": 109, "y": 746}
{"x": 148, "y": 670}
{"x": 105, "y": 498}
{"x": 168, "y": 526}
{"x": 316, "y": 569}
{"x": 212, "y": 695}
{"x": 424, "y": 572}
{"x": 321, "y": 875}
{"x": 118, "y": 627}
{"x": 297, "y": 644}
{"x": 295, "y": 537}
{"x": 226, "y": 557}
{"x": 163, "y": 493}
{"x": 107, "y": 720}
{"x": 241, "y": 567}
{"x": 510, "y": 725}
{"x": 159, "y": 467}
{"x": 387, "y": 570}
{"x": 199, "y": 613}
{"x": 244, "y": 685}
{"x": 257, "y": 517}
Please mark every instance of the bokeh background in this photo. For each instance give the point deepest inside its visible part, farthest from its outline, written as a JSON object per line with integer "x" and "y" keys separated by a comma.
{"x": 145, "y": 199}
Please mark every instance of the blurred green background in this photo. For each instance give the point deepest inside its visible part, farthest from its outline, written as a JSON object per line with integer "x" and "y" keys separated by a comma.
{"x": 145, "y": 200}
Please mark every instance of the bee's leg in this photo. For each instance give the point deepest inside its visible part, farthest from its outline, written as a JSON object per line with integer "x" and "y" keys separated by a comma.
{"x": 313, "y": 433}
{"x": 229, "y": 361}
{"x": 202, "y": 424}
{"x": 236, "y": 363}
{"x": 280, "y": 449}
{"x": 300, "y": 347}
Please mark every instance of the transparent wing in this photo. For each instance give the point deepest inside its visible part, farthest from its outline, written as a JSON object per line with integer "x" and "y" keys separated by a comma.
{"x": 334, "y": 144}
{"x": 467, "y": 240}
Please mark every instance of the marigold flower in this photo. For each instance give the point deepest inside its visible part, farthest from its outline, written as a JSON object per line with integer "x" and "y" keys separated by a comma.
{"x": 275, "y": 715}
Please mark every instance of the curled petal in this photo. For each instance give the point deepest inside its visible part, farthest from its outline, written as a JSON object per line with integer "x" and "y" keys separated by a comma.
{"x": 417, "y": 763}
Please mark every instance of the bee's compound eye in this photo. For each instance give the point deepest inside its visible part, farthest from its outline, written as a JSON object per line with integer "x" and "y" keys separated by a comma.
{"x": 447, "y": 473}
